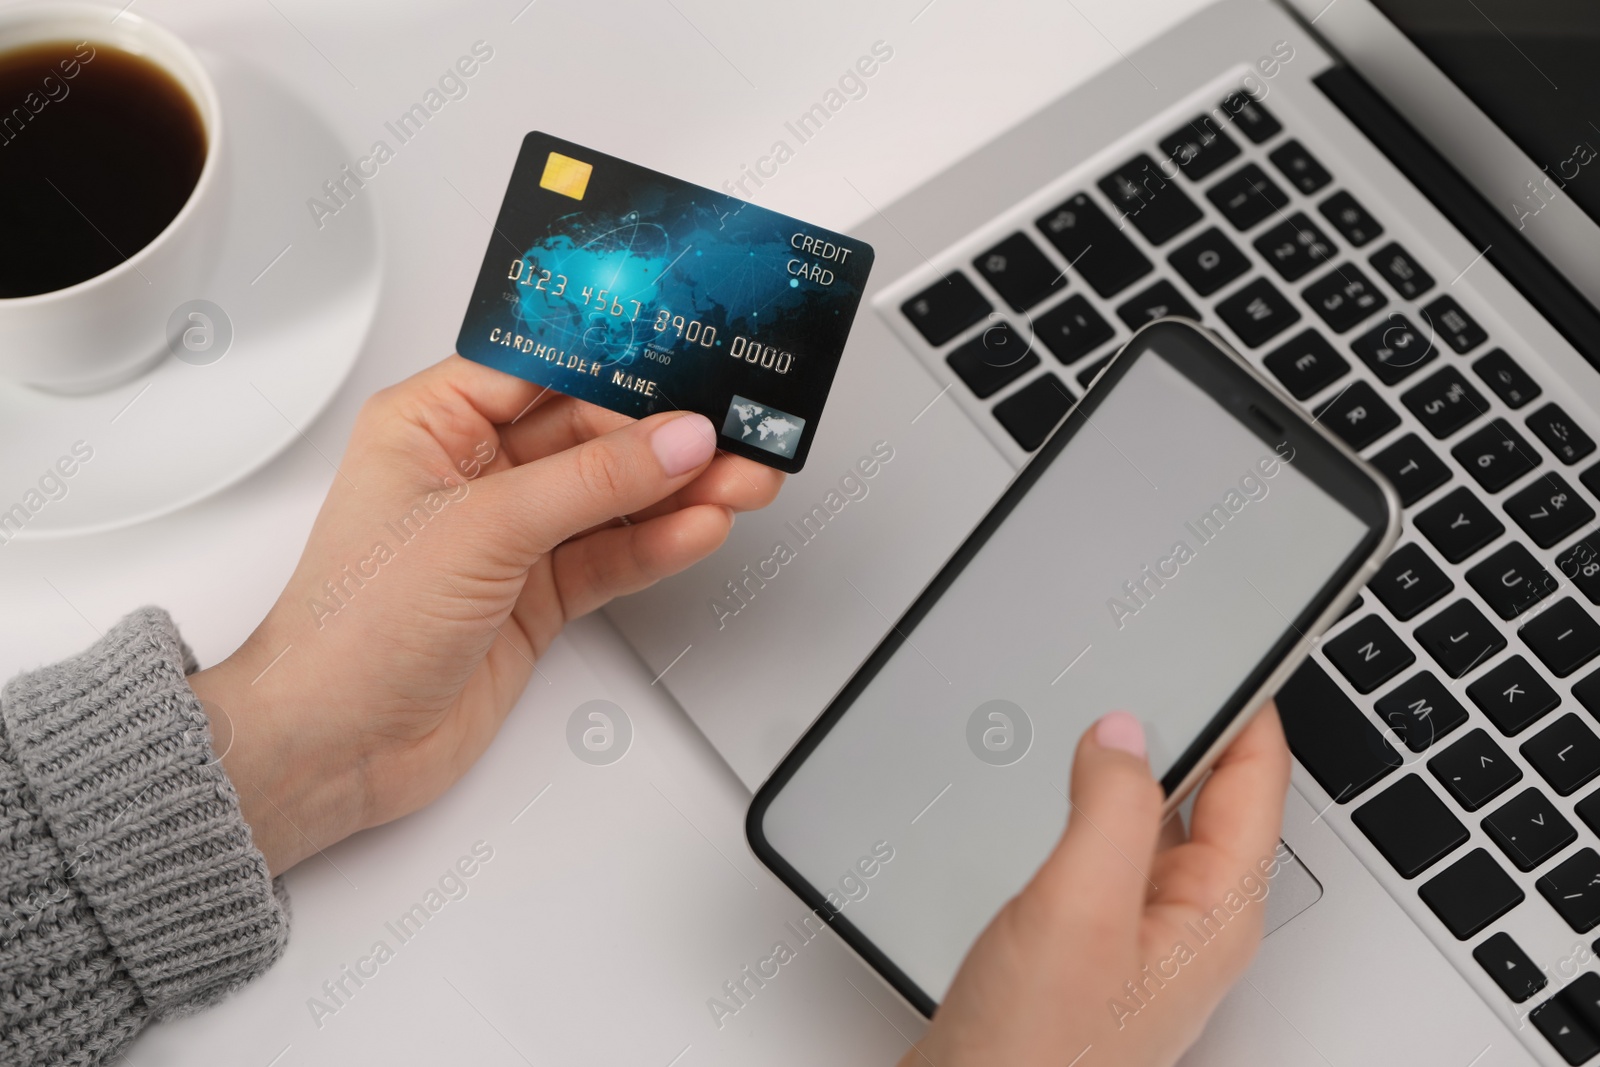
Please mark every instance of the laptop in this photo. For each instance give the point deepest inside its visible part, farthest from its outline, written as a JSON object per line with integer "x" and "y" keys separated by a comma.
{"x": 1391, "y": 206}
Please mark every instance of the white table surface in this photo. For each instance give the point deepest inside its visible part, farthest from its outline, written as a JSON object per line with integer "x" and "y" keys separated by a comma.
{"x": 615, "y": 906}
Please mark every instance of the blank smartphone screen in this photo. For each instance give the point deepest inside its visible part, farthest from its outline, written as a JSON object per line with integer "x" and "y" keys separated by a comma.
{"x": 1151, "y": 568}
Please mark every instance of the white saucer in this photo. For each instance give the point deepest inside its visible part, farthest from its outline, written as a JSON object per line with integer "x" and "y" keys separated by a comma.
{"x": 300, "y": 301}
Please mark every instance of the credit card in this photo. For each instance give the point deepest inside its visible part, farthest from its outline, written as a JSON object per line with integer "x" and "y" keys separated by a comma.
{"x": 640, "y": 292}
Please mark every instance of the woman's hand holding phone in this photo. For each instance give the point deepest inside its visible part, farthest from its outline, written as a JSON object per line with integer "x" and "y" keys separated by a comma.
{"x": 1097, "y": 957}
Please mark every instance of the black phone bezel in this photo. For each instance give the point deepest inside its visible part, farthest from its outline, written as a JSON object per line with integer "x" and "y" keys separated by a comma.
{"x": 1256, "y": 405}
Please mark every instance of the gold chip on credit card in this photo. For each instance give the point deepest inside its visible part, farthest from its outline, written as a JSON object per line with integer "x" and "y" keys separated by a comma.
{"x": 565, "y": 175}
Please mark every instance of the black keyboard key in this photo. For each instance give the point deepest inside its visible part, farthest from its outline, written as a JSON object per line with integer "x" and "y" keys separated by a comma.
{"x": 1158, "y": 301}
{"x": 1474, "y": 770}
{"x": 1369, "y": 653}
{"x": 1566, "y": 752}
{"x": 1394, "y": 350}
{"x": 1295, "y": 247}
{"x": 1410, "y": 825}
{"x": 1409, "y": 582}
{"x": 1513, "y": 696}
{"x": 1093, "y": 245}
{"x": 1350, "y": 218}
{"x": 1560, "y": 434}
{"x": 1573, "y": 888}
{"x": 1529, "y": 829}
{"x": 1591, "y": 479}
{"x": 1306, "y": 364}
{"x": 1300, "y": 167}
{"x": 993, "y": 360}
{"x": 1510, "y": 967}
{"x": 1460, "y": 637}
{"x": 1564, "y": 636}
{"x": 1087, "y": 374}
{"x": 1209, "y": 261}
{"x": 1344, "y": 297}
{"x": 1470, "y": 894}
{"x": 945, "y": 308}
{"x": 1199, "y": 147}
{"x": 1353, "y": 607}
{"x": 1158, "y": 208}
{"x": 1257, "y": 313}
{"x": 1549, "y": 510}
{"x": 1411, "y": 468}
{"x": 1581, "y": 565}
{"x": 1496, "y": 455}
{"x": 1019, "y": 272}
{"x": 1454, "y": 325}
{"x": 1509, "y": 381}
{"x": 1566, "y": 1035}
{"x": 1030, "y": 413}
{"x": 1588, "y": 808}
{"x": 1250, "y": 117}
{"x": 1572, "y": 1039}
{"x": 1420, "y": 710}
{"x": 1072, "y": 329}
{"x": 1358, "y": 415}
{"x": 1458, "y": 524}
{"x": 1395, "y": 265}
{"x": 1339, "y": 745}
{"x": 1247, "y": 196}
{"x": 1581, "y": 996}
{"x": 1511, "y": 581}
{"x": 1445, "y": 402}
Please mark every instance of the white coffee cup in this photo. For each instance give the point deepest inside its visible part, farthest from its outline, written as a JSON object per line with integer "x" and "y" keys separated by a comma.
{"x": 108, "y": 329}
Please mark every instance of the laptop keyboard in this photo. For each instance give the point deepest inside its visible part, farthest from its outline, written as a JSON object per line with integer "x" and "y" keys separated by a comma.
{"x": 1458, "y": 673}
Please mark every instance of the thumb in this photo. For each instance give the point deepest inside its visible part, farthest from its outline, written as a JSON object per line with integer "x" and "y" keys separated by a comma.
{"x": 1101, "y": 865}
{"x": 551, "y": 499}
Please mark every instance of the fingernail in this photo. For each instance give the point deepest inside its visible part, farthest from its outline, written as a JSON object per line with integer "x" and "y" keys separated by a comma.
{"x": 683, "y": 443}
{"x": 1121, "y": 731}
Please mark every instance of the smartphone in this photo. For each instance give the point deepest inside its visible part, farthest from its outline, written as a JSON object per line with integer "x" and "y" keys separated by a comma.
{"x": 1172, "y": 550}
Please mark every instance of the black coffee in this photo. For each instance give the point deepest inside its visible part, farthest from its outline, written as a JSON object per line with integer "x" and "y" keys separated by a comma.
{"x": 99, "y": 149}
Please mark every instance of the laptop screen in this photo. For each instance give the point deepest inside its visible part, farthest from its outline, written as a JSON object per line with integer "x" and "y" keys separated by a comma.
{"x": 1530, "y": 65}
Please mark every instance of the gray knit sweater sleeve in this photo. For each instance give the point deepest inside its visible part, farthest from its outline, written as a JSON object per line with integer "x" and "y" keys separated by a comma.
{"x": 129, "y": 887}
